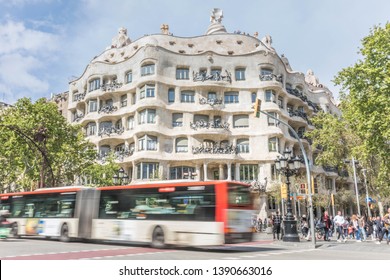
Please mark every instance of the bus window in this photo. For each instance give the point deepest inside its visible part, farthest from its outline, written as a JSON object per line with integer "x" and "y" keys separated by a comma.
{"x": 239, "y": 196}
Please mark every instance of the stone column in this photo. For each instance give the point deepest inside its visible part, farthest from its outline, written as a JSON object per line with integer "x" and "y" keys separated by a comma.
{"x": 237, "y": 171}
{"x": 205, "y": 171}
{"x": 197, "y": 170}
{"x": 221, "y": 173}
{"x": 229, "y": 168}
{"x": 168, "y": 172}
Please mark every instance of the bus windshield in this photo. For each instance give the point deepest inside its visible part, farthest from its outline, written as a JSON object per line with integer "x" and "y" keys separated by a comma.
{"x": 239, "y": 195}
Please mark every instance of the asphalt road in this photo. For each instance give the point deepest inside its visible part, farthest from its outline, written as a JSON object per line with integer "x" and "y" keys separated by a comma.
{"x": 263, "y": 248}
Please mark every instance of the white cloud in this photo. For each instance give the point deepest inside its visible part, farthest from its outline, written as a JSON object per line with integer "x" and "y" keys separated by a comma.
{"x": 17, "y": 71}
{"x": 24, "y": 52}
{"x": 16, "y": 37}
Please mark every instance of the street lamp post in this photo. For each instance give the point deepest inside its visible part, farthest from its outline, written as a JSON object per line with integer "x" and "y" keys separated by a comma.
{"x": 354, "y": 162}
{"x": 367, "y": 197}
{"x": 121, "y": 178}
{"x": 257, "y": 111}
{"x": 289, "y": 166}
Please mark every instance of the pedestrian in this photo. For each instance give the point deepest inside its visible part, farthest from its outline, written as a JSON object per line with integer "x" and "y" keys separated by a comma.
{"x": 327, "y": 223}
{"x": 339, "y": 222}
{"x": 276, "y": 223}
{"x": 355, "y": 225}
{"x": 362, "y": 225}
{"x": 378, "y": 227}
{"x": 370, "y": 228}
{"x": 386, "y": 227}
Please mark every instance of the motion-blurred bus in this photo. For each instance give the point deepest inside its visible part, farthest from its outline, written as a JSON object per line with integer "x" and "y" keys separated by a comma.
{"x": 170, "y": 213}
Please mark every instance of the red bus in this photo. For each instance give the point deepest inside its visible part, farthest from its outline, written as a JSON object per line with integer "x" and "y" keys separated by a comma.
{"x": 189, "y": 213}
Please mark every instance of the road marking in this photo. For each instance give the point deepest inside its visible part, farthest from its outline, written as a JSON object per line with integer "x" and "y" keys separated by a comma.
{"x": 87, "y": 254}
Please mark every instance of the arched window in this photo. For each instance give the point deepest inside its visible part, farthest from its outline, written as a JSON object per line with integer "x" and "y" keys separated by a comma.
{"x": 240, "y": 121}
{"x": 181, "y": 172}
{"x": 147, "y": 143}
{"x": 182, "y": 145}
{"x": 147, "y": 69}
{"x": 94, "y": 84}
{"x": 147, "y": 170}
{"x": 243, "y": 145}
{"x": 130, "y": 123}
{"x": 104, "y": 150}
{"x": 91, "y": 129}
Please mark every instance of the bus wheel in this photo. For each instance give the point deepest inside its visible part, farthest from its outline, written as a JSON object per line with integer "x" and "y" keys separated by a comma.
{"x": 14, "y": 230}
{"x": 158, "y": 238}
{"x": 64, "y": 233}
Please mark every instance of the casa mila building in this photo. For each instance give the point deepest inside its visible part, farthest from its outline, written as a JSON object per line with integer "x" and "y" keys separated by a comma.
{"x": 181, "y": 108}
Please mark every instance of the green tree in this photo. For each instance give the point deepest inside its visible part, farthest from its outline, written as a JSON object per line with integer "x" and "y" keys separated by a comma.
{"x": 365, "y": 92}
{"x": 36, "y": 138}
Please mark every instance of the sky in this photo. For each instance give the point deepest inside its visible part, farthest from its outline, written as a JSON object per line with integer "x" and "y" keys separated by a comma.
{"x": 46, "y": 43}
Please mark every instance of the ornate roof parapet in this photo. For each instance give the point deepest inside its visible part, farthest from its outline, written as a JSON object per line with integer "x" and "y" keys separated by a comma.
{"x": 311, "y": 79}
{"x": 216, "y": 26}
{"x": 165, "y": 29}
{"x": 120, "y": 40}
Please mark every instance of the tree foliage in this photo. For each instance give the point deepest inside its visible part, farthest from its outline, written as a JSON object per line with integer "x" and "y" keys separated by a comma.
{"x": 363, "y": 130}
{"x": 365, "y": 105}
{"x": 36, "y": 137}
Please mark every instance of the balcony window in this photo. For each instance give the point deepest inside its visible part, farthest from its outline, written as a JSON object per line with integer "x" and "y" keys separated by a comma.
{"x": 147, "y": 69}
{"x": 253, "y": 97}
{"x": 270, "y": 96}
{"x": 124, "y": 100}
{"x": 187, "y": 97}
{"x": 240, "y": 121}
{"x": 129, "y": 77}
{"x": 171, "y": 95}
{"x": 177, "y": 119}
{"x": 243, "y": 145}
{"x": 181, "y": 172}
{"x": 301, "y": 132}
{"x": 91, "y": 129}
{"x": 212, "y": 96}
{"x": 104, "y": 150}
{"x": 94, "y": 84}
{"x": 266, "y": 74}
{"x": 182, "y": 74}
{"x": 280, "y": 102}
{"x": 92, "y": 105}
{"x": 147, "y": 143}
{"x": 248, "y": 172}
{"x": 147, "y": 170}
{"x": 120, "y": 148}
{"x": 216, "y": 72}
{"x": 201, "y": 118}
{"x": 147, "y": 91}
{"x": 105, "y": 126}
{"x": 240, "y": 74}
{"x": 273, "y": 144}
{"x": 231, "y": 97}
{"x": 181, "y": 145}
{"x": 290, "y": 108}
{"x": 147, "y": 116}
{"x": 119, "y": 124}
{"x": 271, "y": 121}
{"x": 130, "y": 123}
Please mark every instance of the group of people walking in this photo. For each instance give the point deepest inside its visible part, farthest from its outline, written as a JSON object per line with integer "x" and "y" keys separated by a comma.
{"x": 355, "y": 227}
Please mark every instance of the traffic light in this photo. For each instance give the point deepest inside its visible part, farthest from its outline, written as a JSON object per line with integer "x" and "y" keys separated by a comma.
{"x": 283, "y": 191}
{"x": 256, "y": 111}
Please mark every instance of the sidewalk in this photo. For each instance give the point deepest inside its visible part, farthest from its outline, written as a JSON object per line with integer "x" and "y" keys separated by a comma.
{"x": 303, "y": 243}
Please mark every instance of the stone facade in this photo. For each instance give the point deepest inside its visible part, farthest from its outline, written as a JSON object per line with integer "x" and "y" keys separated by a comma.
{"x": 182, "y": 108}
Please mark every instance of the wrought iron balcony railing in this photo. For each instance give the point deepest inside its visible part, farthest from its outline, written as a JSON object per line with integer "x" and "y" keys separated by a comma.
{"x": 210, "y": 124}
